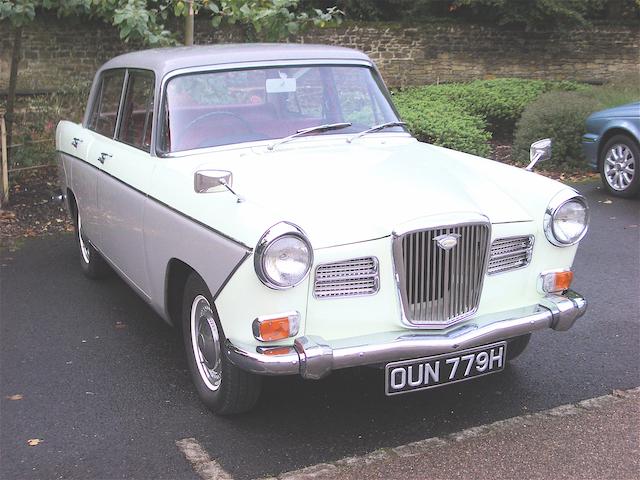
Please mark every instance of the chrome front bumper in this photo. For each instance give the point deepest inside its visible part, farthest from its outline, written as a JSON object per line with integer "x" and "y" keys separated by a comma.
{"x": 313, "y": 357}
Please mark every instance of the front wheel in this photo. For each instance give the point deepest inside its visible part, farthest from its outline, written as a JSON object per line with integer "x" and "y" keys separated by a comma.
{"x": 618, "y": 165}
{"x": 222, "y": 387}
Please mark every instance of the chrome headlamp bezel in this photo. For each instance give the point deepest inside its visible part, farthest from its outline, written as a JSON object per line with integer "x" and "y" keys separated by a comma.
{"x": 276, "y": 232}
{"x": 556, "y": 203}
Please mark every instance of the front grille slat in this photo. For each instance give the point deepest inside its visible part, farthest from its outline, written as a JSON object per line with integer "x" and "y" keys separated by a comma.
{"x": 349, "y": 278}
{"x": 441, "y": 286}
{"x": 510, "y": 254}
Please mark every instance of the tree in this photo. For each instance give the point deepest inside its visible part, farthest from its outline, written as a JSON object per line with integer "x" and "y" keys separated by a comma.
{"x": 146, "y": 21}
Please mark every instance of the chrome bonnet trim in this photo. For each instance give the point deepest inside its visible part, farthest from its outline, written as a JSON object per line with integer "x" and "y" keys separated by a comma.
{"x": 312, "y": 357}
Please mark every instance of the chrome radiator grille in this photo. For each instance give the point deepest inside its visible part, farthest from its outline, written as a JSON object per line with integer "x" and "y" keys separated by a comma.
{"x": 355, "y": 277}
{"x": 510, "y": 254}
{"x": 440, "y": 286}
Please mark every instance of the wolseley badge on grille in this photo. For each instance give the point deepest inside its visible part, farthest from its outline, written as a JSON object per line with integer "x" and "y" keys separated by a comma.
{"x": 447, "y": 241}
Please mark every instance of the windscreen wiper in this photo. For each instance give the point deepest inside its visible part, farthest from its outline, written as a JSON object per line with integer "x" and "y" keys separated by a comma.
{"x": 307, "y": 131}
{"x": 375, "y": 128}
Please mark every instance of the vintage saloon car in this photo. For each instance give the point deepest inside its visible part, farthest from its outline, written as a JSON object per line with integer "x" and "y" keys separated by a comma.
{"x": 268, "y": 200}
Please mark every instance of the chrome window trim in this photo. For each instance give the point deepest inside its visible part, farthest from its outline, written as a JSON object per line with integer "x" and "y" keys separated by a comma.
{"x": 375, "y": 276}
{"x": 560, "y": 199}
{"x": 275, "y": 232}
{"x": 532, "y": 241}
{"x": 427, "y": 223}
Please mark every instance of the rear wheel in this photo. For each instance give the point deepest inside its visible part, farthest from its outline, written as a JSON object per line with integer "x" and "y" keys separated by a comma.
{"x": 222, "y": 387}
{"x": 91, "y": 262}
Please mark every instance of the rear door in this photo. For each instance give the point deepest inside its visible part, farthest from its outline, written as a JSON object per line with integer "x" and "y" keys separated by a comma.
{"x": 90, "y": 141}
{"x": 122, "y": 188}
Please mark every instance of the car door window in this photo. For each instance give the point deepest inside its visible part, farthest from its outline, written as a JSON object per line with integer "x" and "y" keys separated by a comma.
{"x": 105, "y": 107}
{"x": 137, "y": 111}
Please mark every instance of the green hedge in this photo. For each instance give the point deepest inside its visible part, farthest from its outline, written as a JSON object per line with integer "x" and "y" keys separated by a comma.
{"x": 464, "y": 116}
{"x": 443, "y": 123}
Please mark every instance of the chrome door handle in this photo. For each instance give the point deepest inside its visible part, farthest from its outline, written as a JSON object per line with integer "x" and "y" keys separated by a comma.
{"x": 103, "y": 156}
{"x": 75, "y": 142}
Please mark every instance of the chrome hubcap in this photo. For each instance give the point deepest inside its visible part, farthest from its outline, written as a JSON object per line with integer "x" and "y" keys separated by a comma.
{"x": 84, "y": 249}
{"x": 205, "y": 341}
{"x": 619, "y": 167}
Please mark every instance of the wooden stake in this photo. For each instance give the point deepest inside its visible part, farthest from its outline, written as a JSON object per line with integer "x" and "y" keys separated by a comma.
{"x": 5, "y": 163}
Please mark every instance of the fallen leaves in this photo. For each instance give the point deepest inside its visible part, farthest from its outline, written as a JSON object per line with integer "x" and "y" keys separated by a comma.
{"x": 33, "y": 442}
{"x": 32, "y": 213}
{"x": 17, "y": 396}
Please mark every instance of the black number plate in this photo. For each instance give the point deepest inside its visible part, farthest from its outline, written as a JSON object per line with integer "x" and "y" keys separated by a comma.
{"x": 429, "y": 372}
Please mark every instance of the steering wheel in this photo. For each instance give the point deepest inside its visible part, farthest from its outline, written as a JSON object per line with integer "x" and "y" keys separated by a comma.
{"x": 186, "y": 130}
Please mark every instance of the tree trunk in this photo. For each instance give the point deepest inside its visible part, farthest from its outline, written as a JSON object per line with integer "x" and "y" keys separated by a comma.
{"x": 13, "y": 81}
{"x": 188, "y": 25}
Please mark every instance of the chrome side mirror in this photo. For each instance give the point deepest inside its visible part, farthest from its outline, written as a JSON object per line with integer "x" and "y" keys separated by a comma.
{"x": 540, "y": 151}
{"x": 212, "y": 181}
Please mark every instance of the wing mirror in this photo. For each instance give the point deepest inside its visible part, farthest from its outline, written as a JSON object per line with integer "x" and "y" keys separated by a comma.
{"x": 214, "y": 181}
{"x": 540, "y": 151}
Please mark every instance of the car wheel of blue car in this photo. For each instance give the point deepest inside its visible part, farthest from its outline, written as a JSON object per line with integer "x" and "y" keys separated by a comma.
{"x": 619, "y": 166}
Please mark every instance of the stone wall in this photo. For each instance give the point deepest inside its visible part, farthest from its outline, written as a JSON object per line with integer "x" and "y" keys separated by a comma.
{"x": 58, "y": 52}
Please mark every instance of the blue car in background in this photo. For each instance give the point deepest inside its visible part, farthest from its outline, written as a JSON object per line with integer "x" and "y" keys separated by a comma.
{"x": 612, "y": 146}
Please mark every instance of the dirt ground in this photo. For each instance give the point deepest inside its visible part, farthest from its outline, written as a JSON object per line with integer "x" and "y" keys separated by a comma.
{"x": 31, "y": 211}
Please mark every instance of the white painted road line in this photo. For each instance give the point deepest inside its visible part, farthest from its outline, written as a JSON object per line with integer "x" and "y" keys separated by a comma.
{"x": 203, "y": 465}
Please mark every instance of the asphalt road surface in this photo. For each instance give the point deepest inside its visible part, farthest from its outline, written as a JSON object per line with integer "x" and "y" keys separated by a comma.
{"x": 104, "y": 384}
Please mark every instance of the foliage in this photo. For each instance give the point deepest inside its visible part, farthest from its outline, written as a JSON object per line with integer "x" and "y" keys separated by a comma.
{"x": 270, "y": 20}
{"x": 516, "y": 13}
{"x": 464, "y": 116}
{"x": 441, "y": 122}
{"x": 559, "y": 116}
{"x": 531, "y": 13}
{"x": 146, "y": 20}
{"x": 36, "y": 119}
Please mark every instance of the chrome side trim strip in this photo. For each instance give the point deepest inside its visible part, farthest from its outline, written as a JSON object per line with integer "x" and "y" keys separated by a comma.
{"x": 313, "y": 357}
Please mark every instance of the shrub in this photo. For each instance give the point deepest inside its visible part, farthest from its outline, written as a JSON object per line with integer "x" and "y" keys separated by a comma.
{"x": 559, "y": 116}
{"x": 441, "y": 122}
{"x": 453, "y": 114}
{"x": 501, "y": 102}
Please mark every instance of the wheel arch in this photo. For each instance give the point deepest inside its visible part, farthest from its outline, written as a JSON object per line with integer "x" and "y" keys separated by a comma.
{"x": 72, "y": 204}
{"x": 175, "y": 281}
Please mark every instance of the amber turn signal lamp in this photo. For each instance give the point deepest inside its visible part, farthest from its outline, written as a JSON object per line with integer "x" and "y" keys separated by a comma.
{"x": 555, "y": 282}
{"x": 276, "y": 327}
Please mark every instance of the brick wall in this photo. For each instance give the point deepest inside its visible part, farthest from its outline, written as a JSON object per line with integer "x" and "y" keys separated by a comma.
{"x": 56, "y": 52}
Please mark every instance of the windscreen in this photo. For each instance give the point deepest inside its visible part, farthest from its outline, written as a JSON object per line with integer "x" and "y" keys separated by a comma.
{"x": 209, "y": 109}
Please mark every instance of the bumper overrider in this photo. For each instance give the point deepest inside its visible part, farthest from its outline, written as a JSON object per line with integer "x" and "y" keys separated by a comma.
{"x": 312, "y": 357}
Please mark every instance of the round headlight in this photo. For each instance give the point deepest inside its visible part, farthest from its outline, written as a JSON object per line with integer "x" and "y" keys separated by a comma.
{"x": 566, "y": 219}
{"x": 283, "y": 256}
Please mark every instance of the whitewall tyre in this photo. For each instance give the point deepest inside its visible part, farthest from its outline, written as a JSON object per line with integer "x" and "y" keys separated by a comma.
{"x": 222, "y": 387}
